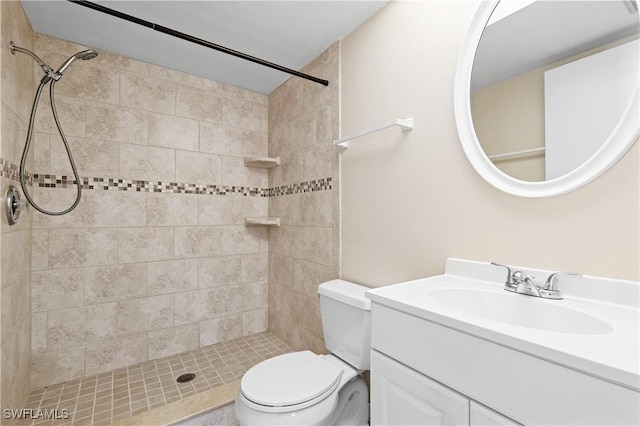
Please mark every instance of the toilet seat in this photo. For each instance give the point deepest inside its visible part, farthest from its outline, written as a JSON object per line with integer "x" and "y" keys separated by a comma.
{"x": 290, "y": 382}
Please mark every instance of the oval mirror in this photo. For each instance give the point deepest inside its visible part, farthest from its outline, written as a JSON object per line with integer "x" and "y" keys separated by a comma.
{"x": 546, "y": 92}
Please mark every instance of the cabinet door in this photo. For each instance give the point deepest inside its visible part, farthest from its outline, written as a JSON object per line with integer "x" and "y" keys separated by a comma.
{"x": 402, "y": 396}
{"x": 483, "y": 416}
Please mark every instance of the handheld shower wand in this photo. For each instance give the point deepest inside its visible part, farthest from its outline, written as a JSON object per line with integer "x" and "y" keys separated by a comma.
{"x": 49, "y": 76}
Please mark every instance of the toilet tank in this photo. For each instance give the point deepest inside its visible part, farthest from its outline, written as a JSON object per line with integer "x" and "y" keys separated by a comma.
{"x": 346, "y": 321}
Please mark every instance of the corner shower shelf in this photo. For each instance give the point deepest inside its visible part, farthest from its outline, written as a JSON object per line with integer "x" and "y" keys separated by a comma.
{"x": 262, "y": 162}
{"x": 262, "y": 221}
{"x": 405, "y": 123}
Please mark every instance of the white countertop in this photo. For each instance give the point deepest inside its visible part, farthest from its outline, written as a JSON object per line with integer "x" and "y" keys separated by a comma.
{"x": 613, "y": 356}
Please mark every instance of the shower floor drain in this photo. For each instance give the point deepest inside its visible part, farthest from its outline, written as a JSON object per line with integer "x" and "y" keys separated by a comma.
{"x": 186, "y": 378}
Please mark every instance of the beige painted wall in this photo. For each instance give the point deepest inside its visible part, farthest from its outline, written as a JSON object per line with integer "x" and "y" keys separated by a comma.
{"x": 509, "y": 116}
{"x": 411, "y": 200}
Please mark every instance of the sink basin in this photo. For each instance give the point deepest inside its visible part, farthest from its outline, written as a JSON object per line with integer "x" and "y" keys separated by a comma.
{"x": 520, "y": 310}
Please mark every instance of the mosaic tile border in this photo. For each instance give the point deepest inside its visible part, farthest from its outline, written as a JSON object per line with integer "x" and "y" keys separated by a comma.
{"x": 11, "y": 171}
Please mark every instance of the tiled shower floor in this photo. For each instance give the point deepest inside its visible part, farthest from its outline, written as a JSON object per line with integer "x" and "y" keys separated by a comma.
{"x": 114, "y": 396}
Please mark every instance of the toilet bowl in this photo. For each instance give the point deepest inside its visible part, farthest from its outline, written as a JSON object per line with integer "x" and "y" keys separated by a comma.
{"x": 302, "y": 388}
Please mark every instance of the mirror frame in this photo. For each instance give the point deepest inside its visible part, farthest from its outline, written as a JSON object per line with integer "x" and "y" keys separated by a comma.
{"x": 623, "y": 136}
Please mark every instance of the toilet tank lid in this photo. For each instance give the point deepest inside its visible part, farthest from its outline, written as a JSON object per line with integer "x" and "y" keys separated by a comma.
{"x": 345, "y": 292}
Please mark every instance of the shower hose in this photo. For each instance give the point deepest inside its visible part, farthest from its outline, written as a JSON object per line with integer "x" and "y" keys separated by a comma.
{"x": 27, "y": 145}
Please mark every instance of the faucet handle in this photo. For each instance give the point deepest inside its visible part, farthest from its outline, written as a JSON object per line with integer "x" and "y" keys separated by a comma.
{"x": 510, "y": 274}
{"x": 552, "y": 280}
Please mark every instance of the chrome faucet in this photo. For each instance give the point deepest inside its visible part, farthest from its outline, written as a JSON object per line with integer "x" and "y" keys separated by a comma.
{"x": 517, "y": 282}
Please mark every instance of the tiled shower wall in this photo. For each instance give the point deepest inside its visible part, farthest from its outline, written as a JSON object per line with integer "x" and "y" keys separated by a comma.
{"x": 16, "y": 89}
{"x": 156, "y": 259}
{"x": 305, "y": 250}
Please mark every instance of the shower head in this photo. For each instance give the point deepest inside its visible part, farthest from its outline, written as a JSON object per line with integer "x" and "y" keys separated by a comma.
{"x": 85, "y": 55}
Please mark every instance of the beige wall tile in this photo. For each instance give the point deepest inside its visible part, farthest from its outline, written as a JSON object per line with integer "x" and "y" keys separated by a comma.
{"x": 57, "y": 366}
{"x": 147, "y": 93}
{"x": 116, "y": 123}
{"x": 14, "y": 305}
{"x": 115, "y": 282}
{"x": 39, "y": 326}
{"x": 169, "y": 131}
{"x": 318, "y": 161}
{"x": 192, "y": 167}
{"x": 86, "y": 81}
{"x": 81, "y": 247}
{"x": 308, "y": 275}
{"x": 287, "y": 208}
{"x": 234, "y": 172}
{"x": 230, "y": 209}
{"x": 111, "y": 354}
{"x": 14, "y": 132}
{"x": 97, "y": 209}
{"x": 280, "y": 271}
{"x": 81, "y": 325}
{"x": 254, "y": 322}
{"x": 243, "y": 114}
{"x": 225, "y": 140}
{"x": 292, "y": 169}
{"x": 199, "y": 305}
{"x": 15, "y": 364}
{"x": 220, "y": 329}
{"x": 56, "y": 289}
{"x": 219, "y": 271}
{"x": 287, "y": 240}
{"x": 200, "y": 241}
{"x": 316, "y": 209}
{"x": 172, "y": 276}
{"x": 255, "y": 267}
{"x": 17, "y": 70}
{"x": 173, "y": 340}
{"x": 239, "y": 240}
{"x": 254, "y": 295}
{"x": 318, "y": 245}
{"x": 93, "y": 158}
{"x": 166, "y": 209}
{"x": 147, "y": 163}
{"x": 15, "y": 255}
{"x": 145, "y": 244}
{"x": 198, "y": 104}
{"x": 71, "y": 112}
{"x": 147, "y": 313}
{"x": 41, "y": 153}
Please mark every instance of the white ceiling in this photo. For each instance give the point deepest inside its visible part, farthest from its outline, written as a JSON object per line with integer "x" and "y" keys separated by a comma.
{"x": 288, "y": 33}
{"x": 545, "y": 32}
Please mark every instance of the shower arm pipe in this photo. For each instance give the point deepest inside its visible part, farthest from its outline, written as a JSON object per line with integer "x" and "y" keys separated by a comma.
{"x": 196, "y": 40}
{"x": 35, "y": 57}
{"x": 405, "y": 123}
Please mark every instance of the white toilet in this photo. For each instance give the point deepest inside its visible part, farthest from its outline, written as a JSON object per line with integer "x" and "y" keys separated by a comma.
{"x": 303, "y": 388}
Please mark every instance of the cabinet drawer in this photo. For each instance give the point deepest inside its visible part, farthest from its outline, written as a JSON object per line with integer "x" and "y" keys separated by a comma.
{"x": 401, "y": 396}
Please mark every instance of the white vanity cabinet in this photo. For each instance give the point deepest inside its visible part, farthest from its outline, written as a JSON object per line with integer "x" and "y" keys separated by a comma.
{"x": 402, "y": 396}
{"x": 423, "y": 373}
{"x": 458, "y": 349}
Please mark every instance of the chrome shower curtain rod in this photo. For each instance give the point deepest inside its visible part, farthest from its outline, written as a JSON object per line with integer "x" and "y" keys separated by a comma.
{"x": 196, "y": 40}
